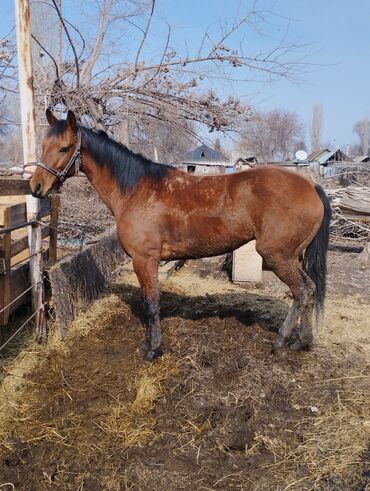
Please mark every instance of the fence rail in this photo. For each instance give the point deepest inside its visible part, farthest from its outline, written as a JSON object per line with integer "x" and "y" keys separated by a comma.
{"x": 15, "y": 254}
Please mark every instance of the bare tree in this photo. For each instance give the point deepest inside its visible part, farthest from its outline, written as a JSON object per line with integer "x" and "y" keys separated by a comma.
{"x": 355, "y": 149}
{"x": 105, "y": 72}
{"x": 316, "y": 127}
{"x": 7, "y": 52}
{"x": 161, "y": 141}
{"x": 362, "y": 128}
{"x": 272, "y": 136}
{"x": 6, "y": 74}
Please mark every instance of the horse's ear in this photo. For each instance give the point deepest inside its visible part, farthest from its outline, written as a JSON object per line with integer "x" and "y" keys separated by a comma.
{"x": 50, "y": 117}
{"x": 71, "y": 121}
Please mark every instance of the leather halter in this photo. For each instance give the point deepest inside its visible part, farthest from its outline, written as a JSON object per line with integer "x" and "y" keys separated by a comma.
{"x": 62, "y": 175}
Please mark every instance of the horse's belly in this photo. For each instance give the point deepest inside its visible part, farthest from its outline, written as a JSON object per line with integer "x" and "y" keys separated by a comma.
{"x": 198, "y": 235}
{"x": 193, "y": 249}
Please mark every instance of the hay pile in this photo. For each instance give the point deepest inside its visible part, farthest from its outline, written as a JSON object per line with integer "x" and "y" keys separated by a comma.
{"x": 216, "y": 412}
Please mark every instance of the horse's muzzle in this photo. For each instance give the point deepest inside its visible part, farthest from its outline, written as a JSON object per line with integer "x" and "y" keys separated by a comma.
{"x": 36, "y": 193}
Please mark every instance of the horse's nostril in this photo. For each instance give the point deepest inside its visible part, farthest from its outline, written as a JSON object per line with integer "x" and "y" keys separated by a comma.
{"x": 36, "y": 192}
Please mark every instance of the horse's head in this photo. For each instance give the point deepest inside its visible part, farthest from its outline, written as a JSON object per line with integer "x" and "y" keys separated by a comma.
{"x": 60, "y": 150}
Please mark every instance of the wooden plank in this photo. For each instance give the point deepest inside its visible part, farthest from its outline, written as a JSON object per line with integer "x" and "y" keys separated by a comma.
{"x": 19, "y": 245}
{"x": 54, "y": 215}
{"x": 19, "y": 282}
{"x": 22, "y": 243}
{"x": 18, "y": 214}
{"x": 20, "y": 257}
{"x": 5, "y": 274}
{"x": 6, "y": 201}
{"x": 247, "y": 263}
{"x": 9, "y": 202}
{"x": 14, "y": 187}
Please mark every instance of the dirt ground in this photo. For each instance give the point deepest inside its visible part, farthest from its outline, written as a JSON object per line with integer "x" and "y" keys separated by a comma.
{"x": 218, "y": 411}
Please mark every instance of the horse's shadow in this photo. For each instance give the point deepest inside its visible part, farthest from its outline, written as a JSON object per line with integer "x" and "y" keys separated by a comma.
{"x": 247, "y": 308}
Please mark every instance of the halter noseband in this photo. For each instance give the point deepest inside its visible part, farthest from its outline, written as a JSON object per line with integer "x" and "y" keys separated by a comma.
{"x": 62, "y": 175}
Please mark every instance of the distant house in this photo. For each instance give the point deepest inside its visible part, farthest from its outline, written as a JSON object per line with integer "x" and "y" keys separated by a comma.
{"x": 324, "y": 160}
{"x": 324, "y": 156}
{"x": 206, "y": 160}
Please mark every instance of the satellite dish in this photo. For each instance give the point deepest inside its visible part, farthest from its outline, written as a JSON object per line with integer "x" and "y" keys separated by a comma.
{"x": 301, "y": 155}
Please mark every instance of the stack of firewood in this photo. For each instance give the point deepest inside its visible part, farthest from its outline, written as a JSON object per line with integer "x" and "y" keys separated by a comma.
{"x": 351, "y": 215}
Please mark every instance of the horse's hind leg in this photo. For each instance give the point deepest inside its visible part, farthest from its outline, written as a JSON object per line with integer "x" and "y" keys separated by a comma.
{"x": 288, "y": 270}
{"x": 146, "y": 270}
{"x": 304, "y": 334}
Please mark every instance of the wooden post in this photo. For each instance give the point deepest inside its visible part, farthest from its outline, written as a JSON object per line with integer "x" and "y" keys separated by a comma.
{"x": 53, "y": 233}
{"x": 5, "y": 274}
{"x": 28, "y": 119}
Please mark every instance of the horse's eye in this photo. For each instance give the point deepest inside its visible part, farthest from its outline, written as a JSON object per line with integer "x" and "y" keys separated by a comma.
{"x": 64, "y": 149}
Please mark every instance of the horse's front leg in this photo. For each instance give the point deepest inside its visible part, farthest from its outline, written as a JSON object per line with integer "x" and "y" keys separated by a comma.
{"x": 146, "y": 270}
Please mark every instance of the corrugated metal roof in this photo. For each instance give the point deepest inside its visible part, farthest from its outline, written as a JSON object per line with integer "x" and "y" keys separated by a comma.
{"x": 325, "y": 156}
{"x": 205, "y": 154}
{"x": 315, "y": 155}
{"x": 361, "y": 158}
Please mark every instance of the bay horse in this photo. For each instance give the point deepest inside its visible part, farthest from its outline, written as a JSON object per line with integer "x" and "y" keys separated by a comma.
{"x": 163, "y": 213}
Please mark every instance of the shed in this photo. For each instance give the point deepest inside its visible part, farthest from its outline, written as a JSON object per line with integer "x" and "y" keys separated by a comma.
{"x": 326, "y": 159}
{"x": 206, "y": 160}
{"x": 324, "y": 156}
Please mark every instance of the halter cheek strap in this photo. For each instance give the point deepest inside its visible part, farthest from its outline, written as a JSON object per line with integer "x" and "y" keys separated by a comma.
{"x": 74, "y": 160}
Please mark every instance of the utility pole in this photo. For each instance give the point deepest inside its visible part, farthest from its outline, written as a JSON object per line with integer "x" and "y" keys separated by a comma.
{"x": 28, "y": 119}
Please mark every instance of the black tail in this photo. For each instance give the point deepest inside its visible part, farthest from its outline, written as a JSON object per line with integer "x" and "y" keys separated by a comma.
{"x": 315, "y": 255}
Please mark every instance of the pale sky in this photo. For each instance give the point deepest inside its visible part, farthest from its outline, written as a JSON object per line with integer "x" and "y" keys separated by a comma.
{"x": 336, "y": 39}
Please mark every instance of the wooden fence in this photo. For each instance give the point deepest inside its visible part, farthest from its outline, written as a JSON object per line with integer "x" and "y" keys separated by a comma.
{"x": 14, "y": 248}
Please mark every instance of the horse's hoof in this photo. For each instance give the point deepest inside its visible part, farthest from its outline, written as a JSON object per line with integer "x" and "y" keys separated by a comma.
{"x": 151, "y": 355}
{"x": 300, "y": 345}
{"x": 280, "y": 352}
{"x": 145, "y": 347}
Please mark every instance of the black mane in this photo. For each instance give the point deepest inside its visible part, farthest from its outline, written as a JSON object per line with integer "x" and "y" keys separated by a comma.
{"x": 125, "y": 166}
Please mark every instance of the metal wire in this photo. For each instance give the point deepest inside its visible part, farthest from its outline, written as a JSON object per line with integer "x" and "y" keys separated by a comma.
{"x": 5, "y": 231}
{"x": 20, "y": 296}
{"x": 20, "y": 328}
{"x": 8, "y": 270}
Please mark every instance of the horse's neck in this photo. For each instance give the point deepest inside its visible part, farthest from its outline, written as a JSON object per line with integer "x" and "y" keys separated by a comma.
{"x": 105, "y": 185}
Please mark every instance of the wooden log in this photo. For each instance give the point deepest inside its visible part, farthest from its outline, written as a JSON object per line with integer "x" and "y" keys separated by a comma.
{"x": 78, "y": 279}
{"x": 14, "y": 187}
{"x": 5, "y": 273}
